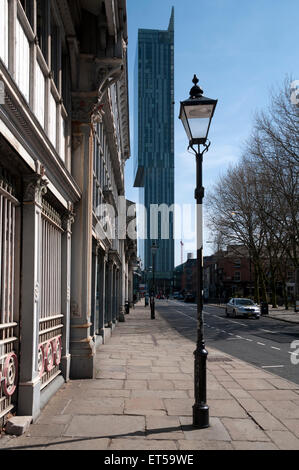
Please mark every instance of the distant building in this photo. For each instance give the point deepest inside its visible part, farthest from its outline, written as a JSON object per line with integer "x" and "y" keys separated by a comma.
{"x": 228, "y": 273}
{"x": 154, "y": 143}
{"x": 185, "y": 277}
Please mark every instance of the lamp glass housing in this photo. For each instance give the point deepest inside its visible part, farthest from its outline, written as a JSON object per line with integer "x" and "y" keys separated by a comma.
{"x": 196, "y": 115}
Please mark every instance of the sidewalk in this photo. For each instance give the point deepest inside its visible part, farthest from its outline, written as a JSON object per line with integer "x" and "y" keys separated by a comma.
{"x": 142, "y": 398}
{"x": 278, "y": 313}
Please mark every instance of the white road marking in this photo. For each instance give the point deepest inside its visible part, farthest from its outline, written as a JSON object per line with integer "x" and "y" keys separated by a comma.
{"x": 269, "y": 331}
{"x": 262, "y": 344}
{"x": 238, "y": 323}
{"x": 191, "y": 318}
{"x": 247, "y": 339}
{"x": 278, "y": 349}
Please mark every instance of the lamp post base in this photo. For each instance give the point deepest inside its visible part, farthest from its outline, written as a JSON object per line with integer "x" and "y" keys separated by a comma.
{"x": 200, "y": 408}
{"x": 201, "y": 416}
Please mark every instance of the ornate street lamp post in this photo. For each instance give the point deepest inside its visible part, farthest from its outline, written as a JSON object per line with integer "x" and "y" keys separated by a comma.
{"x": 196, "y": 114}
{"x": 154, "y": 249}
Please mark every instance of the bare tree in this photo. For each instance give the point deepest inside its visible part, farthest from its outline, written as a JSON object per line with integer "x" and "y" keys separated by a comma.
{"x": 256, "y": 203}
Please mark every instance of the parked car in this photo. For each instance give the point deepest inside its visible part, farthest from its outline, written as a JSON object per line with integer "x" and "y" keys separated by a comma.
{"x": 189, "y": 298}
{"x": 244, "y": 307}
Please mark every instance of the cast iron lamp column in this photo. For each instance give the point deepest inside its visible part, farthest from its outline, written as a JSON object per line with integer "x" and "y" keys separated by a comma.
{"x": 196, "y": 114}
{"x": 154, "y": 249}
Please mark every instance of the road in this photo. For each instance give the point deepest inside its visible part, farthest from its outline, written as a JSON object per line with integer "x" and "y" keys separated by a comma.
{"x": 265, "y": 343}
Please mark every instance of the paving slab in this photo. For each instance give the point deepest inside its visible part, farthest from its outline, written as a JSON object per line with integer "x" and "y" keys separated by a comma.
{"x": 142, "y": 444}
{"x": 179, "y": 407}
{"x": 293, "y": 425}
{"x": 267, "y": 422}
{"x": 255, "y": 384}
{"x": 284, "y": 440}
{"x": 46, "y": 430}
{"x": 27, "y": 443}
{"x": 135, "y": 393}
{"x": 273, "y": 395}
{"x": 65, "y": 443}
{"x": 250, "y": 404}
{"x": 226, "y": 408}
{"x": 215, "y": 432}
{"x": 104, "y": 405}
{"x": 163, "y": 428}
{"x": 204, "y": 445}
{"x": 245, "y": 445}
{"x": 106, "y": 426}
{"x": 244, "y": 429}
{"x": 282, "y": 409}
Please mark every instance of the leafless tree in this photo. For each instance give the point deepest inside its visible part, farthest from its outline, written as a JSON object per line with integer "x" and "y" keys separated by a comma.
{"x": 256, "y": 203}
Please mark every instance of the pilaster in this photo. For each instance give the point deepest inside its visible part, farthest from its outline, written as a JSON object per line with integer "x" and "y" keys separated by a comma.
{"x": 29, "y": 385}
{"x": 82, "y": 347}
{"x": 66, "y": 250}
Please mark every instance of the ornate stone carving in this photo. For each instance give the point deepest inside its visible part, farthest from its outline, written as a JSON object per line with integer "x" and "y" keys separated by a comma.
{"x": 36, "y": 292}
{"x": 83, "y": 105}
{"x": 35, "y": 188}
{"x": 69, "y": 217}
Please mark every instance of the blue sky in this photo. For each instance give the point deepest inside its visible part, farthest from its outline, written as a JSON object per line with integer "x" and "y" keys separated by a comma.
{"x": 240, "y": 50}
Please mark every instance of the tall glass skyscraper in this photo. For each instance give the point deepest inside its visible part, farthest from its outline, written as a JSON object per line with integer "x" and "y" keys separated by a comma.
{"x": 154, "y": 145}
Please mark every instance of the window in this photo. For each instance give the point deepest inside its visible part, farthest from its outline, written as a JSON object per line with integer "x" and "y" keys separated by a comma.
{"x": 55, "y": 53}
{"x": 27, "y": 7}
{"x": 41, "y": 20}
{"x": 62, "y": 138}
{"x": 39, "y": 90}
{"x": 22, "y": 60}
{"x": 52, "y": 120}
{"x": 237, "y": 276}
{"x": 4, "y": 31}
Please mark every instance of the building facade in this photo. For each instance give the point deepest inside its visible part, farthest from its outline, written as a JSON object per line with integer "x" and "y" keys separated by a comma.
{"x": 228, "y": 273}
{"x": 64, "y": 141}
{"x": 154, "y": 146}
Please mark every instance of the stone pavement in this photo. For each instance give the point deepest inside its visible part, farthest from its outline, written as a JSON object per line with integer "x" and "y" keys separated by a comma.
{"x": 142, "y": 398}
{"x": 278, "y": 313}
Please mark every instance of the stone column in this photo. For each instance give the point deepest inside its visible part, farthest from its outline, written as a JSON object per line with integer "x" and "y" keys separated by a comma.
{"x": 101, "y": 288}
{"x": 29, "y": 379}
{"x": 109, "y": 293}
{"x": 122, "y": 277}
{"x": 94, "y": 306}
{"x": 118, "y": 292}
{"x": 114, "y": 307}
{"x": 66, "y": 249}
{"x": 82, "y": 347}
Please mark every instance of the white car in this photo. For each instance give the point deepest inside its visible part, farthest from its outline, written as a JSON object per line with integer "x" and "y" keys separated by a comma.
{"x": 244, "y": 307}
